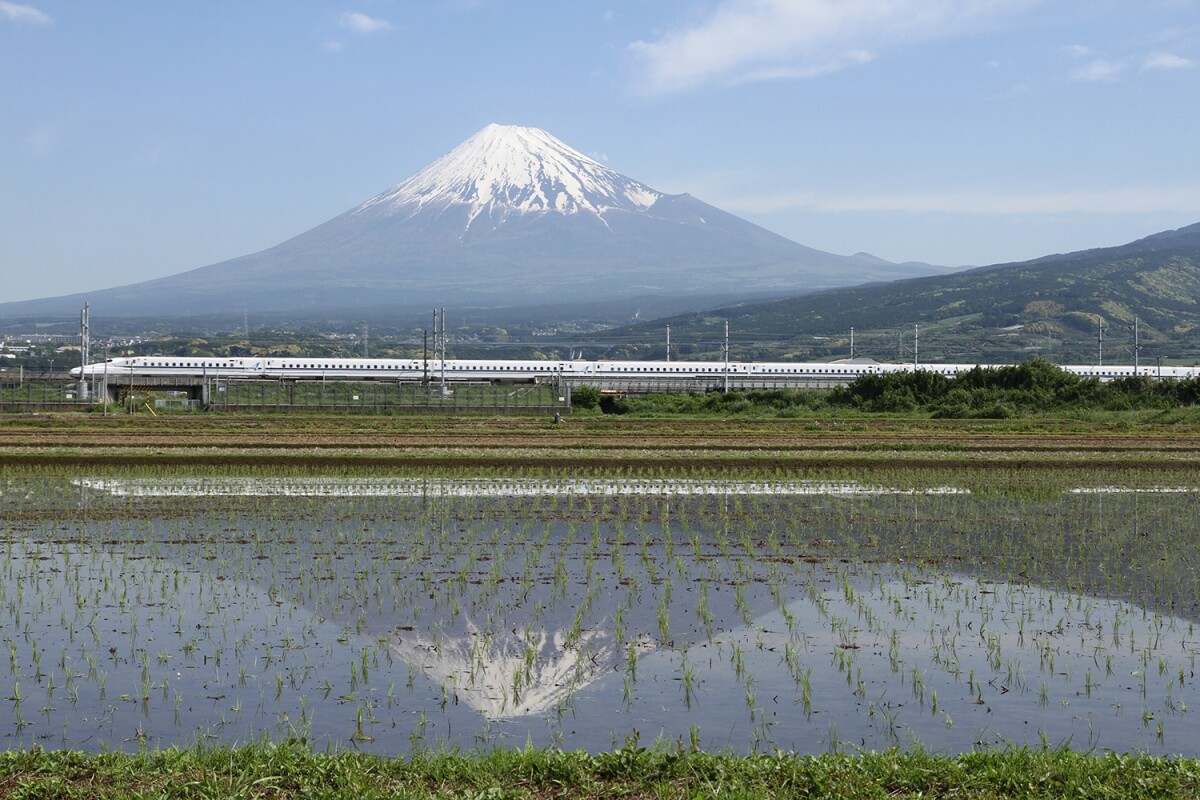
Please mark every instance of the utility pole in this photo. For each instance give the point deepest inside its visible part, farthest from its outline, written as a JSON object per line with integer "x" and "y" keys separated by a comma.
{"x": 443, "y": 361}
{"x": 1100, "y": 352}
{"x": 366, "y": 336}
{"x": 851, "y": 342}
{"x": 84, "y": 346}
{"x": 1136, "y": 345}
{"x": 916, "y": 342}
{"x": 668, "y": 344}
{"x": 726, "y": 356}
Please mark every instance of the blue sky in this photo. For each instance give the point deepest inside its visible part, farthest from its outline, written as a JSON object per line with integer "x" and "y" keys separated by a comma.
{"x": 144, "y": 138}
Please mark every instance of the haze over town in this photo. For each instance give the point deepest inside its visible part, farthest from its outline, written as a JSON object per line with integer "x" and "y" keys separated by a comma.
{"x": 143, "y": 141}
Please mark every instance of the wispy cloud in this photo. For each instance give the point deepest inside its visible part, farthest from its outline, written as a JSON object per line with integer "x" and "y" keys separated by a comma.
{"x": 358, "y": 22}
{"x": 748, "y": 40}
{"x": 16, "y": 12}
{"x": 1112, "y": 200}
{"x": 1098, "y": 69}
{"x": 1167, "y": 61}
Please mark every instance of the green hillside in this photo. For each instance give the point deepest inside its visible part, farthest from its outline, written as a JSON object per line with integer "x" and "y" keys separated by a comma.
{"x": 1053, "y": 307}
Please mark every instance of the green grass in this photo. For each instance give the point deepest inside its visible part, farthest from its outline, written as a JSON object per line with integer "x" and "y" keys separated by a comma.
{"x": 292, "y": 770}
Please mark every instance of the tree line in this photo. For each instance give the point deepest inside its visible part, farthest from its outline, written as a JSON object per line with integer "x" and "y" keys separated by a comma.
{"x": 1028, "y": 388}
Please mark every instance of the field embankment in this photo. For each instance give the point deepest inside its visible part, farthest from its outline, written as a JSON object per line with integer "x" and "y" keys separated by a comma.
{"x": 292, "y": 770}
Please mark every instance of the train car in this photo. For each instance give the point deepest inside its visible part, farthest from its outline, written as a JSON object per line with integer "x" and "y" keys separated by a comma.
{"x": 513, "y": 371}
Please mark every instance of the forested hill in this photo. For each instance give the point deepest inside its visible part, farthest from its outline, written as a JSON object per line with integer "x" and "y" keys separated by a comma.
{"x": 1052, "y": 306}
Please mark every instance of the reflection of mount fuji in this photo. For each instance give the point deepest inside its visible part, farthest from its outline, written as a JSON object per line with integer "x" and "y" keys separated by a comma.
{"x": 513, "y": 674}
{"x": 513, "y": 596}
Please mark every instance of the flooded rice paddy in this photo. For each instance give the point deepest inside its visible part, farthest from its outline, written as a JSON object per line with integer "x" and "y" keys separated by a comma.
{"x": 396, "y": 614}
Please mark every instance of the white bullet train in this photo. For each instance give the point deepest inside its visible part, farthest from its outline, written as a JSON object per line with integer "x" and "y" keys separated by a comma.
{"x": 506, "y": 371}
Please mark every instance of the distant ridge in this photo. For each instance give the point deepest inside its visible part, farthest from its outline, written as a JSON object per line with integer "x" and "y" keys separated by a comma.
{"x": 511, "y": 215}
{"x": 1051, "y": 306}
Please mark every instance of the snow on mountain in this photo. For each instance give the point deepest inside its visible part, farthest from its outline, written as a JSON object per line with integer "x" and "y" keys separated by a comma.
{"x": 509, "y": 169}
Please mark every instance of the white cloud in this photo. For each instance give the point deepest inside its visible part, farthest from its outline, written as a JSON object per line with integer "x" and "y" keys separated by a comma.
{"x": 1098, "y": 69}
{"x": 1166, "y": 61}
{"x": 746, "y": 40}
{"x": 17, "y": 12}
{"x": 1077, "y": 50}
{"x": 834, "y": 64}
{"x": 361, "y": 23}
{"x": 1120, "y": 200}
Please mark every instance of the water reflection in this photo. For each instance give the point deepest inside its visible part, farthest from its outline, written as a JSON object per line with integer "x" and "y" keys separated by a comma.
{"x": 505, "y": 676}
{"x": 395, "y": 614}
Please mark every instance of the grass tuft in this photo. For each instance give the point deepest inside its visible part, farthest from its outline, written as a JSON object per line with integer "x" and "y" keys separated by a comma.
{"x": 291, "y": 770}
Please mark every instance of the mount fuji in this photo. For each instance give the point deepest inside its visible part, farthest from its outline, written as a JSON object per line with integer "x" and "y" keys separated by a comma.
{"x": 510, "y": 216}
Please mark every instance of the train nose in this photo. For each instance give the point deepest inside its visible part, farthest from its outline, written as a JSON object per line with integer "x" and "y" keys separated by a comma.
{"x": 76, "y": 372}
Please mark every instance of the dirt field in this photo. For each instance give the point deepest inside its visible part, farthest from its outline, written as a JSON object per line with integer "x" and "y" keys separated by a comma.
{"x": 591, "y": 443}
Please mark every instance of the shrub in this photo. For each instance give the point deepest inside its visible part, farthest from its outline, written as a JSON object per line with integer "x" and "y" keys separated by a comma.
{"x": 615, "y": 405}
{"x": 585, "y": 397}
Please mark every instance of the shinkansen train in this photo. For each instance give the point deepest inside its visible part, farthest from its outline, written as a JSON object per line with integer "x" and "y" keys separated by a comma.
{"x": 503, "y": 371}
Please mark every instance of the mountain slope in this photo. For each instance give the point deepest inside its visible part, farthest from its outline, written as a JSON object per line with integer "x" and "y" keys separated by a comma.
{"x": 512, "y": 215}
{"x": 1055, "y": 304}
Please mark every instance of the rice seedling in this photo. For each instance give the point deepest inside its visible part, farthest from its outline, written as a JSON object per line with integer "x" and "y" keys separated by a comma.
{"x": 474, "y": 569}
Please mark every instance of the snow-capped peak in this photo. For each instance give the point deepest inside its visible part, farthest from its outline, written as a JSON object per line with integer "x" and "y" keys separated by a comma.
{"x": 509, "y": 169}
